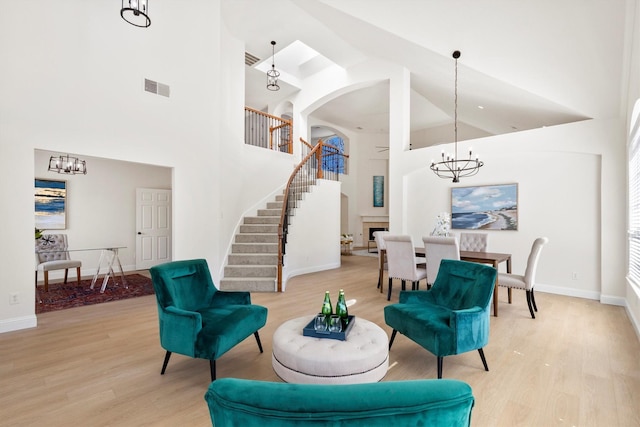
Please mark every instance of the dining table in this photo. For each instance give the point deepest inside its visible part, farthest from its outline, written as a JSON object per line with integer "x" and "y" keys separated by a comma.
{"x": 492, "y": 258}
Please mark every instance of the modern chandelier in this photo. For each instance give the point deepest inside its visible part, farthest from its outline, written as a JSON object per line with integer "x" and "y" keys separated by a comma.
{"x": 273, "y": 74}
{"x": 67, "y": 164}
{"x": 451, "y": 166}
{"x": 136, "y": 12}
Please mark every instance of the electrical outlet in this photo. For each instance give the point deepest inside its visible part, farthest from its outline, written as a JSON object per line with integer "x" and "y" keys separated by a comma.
{"x": 14, "y": 298}
{"x": 574, "y": 276}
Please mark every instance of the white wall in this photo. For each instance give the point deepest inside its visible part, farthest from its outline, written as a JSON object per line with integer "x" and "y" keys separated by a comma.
{"x": 314, "y": 232}
{"x": 101, "y": 206}
{"x": 72, "y": 78}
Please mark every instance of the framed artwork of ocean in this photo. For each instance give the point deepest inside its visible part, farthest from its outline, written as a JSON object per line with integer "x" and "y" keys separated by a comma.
{"x": 50, "y": 204}
{"x": 485, "y": 207}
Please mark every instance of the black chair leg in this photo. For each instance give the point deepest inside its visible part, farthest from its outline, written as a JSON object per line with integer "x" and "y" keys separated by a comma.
{"x": 484, "y": 361}
{"x": 529, "y": 303}
{"x": 166, "y": 362}
{"x": 404, "y": 285}
{"x": 255, "y": 334}
{"x": 440, "y": 359}
{"x": 389, "y": 290}
{"x": 533, "y": 300}
{"x": 393, "y": 337}
{"x": 212, "y": 368}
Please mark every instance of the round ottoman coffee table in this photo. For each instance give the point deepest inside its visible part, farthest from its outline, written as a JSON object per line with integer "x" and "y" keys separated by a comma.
{"x": 362, "y": 358}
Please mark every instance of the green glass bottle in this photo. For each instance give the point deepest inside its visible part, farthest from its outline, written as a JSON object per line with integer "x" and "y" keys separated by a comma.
{"x": 341, "y": 309}
{"x": 327, "y": 309}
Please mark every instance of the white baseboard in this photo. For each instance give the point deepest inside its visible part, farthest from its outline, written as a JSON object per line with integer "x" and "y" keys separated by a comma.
{"x": 17, "y": 323}
{"x": 568, "y": 292}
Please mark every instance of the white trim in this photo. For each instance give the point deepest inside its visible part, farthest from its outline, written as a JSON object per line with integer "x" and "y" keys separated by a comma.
{"x": 18, "y": 323}
{"x": 559, "y": 290}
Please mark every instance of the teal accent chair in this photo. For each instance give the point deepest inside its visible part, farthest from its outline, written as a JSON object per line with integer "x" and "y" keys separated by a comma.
{"x": 236, "y": 402}
{"x": 450, "y": 318}
{"x": 195, "y": 318}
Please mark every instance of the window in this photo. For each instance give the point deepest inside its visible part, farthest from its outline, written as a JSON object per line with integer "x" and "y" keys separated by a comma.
{"x": 333, "y": 161}
{"x": 634, "y": 198}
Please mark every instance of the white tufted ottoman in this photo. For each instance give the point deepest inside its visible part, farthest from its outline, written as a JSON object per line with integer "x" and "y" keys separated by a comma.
{"x": 362, "y": 358}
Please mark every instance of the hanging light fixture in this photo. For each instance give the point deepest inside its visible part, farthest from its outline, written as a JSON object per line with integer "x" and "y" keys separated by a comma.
{"x": 273, "y": 74}
{"x": 67, "y": 164}
{"x": 451, "y": 166}
{"x": 136, "y": 12}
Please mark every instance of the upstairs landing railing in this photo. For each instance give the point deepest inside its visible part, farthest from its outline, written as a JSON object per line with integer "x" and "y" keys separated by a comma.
{"x": 322, "y": 161}
{"x": 267, "y": 131}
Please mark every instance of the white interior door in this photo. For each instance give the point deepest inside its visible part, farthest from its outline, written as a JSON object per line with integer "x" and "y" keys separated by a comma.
{"x": 153, "y": 223}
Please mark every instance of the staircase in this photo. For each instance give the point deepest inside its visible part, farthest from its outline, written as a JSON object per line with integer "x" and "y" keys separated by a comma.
{"x": 253, "y": 261}
{"x": 252, "y": 265}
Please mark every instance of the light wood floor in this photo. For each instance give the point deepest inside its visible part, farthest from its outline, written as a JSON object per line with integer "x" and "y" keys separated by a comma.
{"x": 577, "y": 364}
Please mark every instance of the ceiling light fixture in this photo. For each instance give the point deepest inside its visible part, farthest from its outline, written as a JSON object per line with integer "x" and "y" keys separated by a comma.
{"x": 67, "y": 164}
{"x": 273, "y": 74}
{"x": 136, "y": 12}
{"x": 451, "y": 166}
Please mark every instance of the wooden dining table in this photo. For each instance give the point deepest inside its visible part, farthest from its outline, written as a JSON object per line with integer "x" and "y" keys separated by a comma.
{"x": 493, "y": 258}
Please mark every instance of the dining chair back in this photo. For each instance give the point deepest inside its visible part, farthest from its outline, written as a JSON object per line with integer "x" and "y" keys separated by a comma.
{"x": 378, "y": 236}
{"x": 528, "y": 280}
{"x": 437, "y": 248}
{"x": 475, "y": 242}
{"x": 401, "y": 261}
{"x": 52, "y": 254}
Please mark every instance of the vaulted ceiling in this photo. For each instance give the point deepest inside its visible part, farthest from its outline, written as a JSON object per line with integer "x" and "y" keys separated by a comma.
{"x": 524, "y": 65}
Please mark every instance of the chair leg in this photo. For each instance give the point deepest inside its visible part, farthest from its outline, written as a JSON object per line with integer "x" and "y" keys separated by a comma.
{"x": 255, "y": 334}
{"x": 46, "y": 281}
{"x": 484, "y": 361}
{"x": 166, "y": 362}
{"x": 440, "y": 359}
{"x": 529, "y": 303}
{"x": 212, "y": 368}
{"x": 393, "y": 337}
{"x": 78, "y": 274}
{"x": 533, "y": 300}
{"x": 509, "y": 293}
{"x": 36, "y": 278}
{"x": 66, "y": 274}
{"x": 404, "y": 285}
{"x": 389, "y": 290}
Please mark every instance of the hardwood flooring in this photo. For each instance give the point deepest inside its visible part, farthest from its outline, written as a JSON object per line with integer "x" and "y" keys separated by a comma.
{"x": 576, "y": 364}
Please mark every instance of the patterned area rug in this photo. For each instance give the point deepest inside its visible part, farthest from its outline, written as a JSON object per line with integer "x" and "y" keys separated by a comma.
{"x": 61, "y": 295}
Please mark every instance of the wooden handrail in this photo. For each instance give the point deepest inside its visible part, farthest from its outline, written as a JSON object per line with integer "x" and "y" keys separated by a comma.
{"x": 284, "y": 214}
{"x": 266, "y": 120}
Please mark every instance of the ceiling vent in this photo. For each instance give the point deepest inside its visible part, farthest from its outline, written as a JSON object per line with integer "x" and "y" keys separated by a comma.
{"x": 249, "y": 59}
{"x": 157, "y": 88}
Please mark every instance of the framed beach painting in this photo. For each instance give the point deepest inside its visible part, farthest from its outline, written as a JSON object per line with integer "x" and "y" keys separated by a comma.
{"x": 378, "y": 191}
{"x": 485, "y": 207}
{"x": 50, "y": 204}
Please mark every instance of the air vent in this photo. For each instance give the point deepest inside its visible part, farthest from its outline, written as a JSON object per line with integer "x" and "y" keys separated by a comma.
{"x": 156, "y": 88}
{"x": 249, "y": 59}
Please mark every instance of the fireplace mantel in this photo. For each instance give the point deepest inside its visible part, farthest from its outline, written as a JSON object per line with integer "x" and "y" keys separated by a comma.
{"x": 375, "y": 218}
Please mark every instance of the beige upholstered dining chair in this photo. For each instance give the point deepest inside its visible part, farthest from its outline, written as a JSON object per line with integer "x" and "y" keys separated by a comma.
{"x": 437, "y": 248}
{"x": 475, "y": 242}
{"x": 401, "y": 261}
{"x": 52, "y": 254}
{"x": 378, "y": 236}
{"x": 528, "y": 281}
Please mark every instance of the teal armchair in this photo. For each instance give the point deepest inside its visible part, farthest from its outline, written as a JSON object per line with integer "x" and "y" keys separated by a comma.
{"x": 450, "y": 318}
{"x": 234, "y": 402}
{"x": 195, "y": 318}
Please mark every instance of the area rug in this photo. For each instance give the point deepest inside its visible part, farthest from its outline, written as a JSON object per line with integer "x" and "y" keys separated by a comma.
{"x": 365, "y": 252}
{"x": 61, "y": 295}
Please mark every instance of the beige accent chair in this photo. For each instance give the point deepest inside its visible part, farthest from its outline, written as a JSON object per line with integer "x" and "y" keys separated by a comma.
{"x": 437, "y": 248}
{"x": 402, "y": 262}
{"x": 475, "y": 242}
{"x": 528, "y": 281}
{"x": 52, "y": 254}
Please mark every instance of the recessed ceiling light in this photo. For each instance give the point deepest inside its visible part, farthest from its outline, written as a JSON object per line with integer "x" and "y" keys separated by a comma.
{"x": 359, "y": 127}
{"x": 481, "y": 107}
